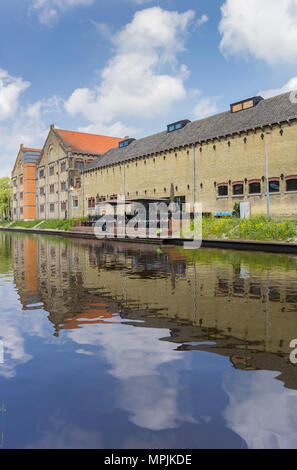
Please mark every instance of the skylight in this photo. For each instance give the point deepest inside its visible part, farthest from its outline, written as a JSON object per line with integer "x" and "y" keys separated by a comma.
{"x": 177, "y": 125}
{"x": 125, "y": 143}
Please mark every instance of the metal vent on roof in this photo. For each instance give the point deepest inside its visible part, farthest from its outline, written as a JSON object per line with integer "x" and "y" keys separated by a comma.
{"x": 245, "y": 104}
{"x": 125, "y": 143}
{"x": 175, "y": 126}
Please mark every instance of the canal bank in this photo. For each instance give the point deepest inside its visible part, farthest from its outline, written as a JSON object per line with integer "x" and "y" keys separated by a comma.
{"x": 241, "y": 245}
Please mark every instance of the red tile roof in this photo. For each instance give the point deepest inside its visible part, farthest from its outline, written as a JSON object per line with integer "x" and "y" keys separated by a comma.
{"x": 27, "y": 149}
{"x": 88, "y": 143}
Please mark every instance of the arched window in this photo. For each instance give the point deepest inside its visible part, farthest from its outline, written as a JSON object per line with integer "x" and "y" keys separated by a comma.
{"x": 222, "y": 190}
{"x": 291, "y": 183}
{"x": 238, "y": 189}
{"x": 274, "y": 185}
{"x": 255, "y": 187}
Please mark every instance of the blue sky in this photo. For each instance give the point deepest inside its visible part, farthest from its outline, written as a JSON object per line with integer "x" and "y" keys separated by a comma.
{"x": 130, "y": 67}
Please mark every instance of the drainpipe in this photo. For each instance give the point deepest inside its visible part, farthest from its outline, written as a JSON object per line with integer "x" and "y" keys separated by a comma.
{"x": 124, "y": 177}
{"x": 82, "y": 179}
{"x": 194, "y": 177}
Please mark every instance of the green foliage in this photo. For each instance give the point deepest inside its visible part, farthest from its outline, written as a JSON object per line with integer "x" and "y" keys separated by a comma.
{"x": 56, "y": 224}
{"x": 24, "y": 224}
{"x": 5, "y": 198}
{"x": 50, "y": 224}
{"x": 256, "y": 228}
{"x": 236, "y": 209}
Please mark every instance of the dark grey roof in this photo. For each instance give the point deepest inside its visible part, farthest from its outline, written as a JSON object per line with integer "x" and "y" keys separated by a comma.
{"x": 270, "y": 111}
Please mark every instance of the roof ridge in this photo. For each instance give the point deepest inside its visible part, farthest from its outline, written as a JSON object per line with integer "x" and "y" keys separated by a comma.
{"x": 87, "y": 133}
{"x": 273, "y": 110}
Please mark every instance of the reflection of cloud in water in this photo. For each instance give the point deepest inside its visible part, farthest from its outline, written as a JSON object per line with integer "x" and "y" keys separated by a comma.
{"x": 61, "y": 435}
{"x": 13, "y": 329}
{"x": 14, "y": 353}
{"x": 147, "y": 393}
{"x": 262, "y": 411}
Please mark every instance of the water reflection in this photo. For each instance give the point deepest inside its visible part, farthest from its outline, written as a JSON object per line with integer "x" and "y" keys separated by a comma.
{"x": 192, "y": 341}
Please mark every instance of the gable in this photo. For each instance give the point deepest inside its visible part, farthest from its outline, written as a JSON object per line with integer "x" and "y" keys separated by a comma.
{"x": 53, "y": 149}
{"x": 19, "y": 163}
{"x": 84, "y": 143}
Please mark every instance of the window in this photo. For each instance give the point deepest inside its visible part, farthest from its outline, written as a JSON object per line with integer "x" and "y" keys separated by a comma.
{"x": 42, "y": 208}
{"x": 125, "y": 143}
{"x": 223, "y": 190}
{"x": 63, "y": 206}
{"x": 21, "y": 195}
{"x": 75, "y": 201}
{"x": 21, "y": 180}
{"x": 292, "y": 184}
{"x": 41, "y": 174}
{"x": 52, "y": 188}
{"x": 91, "y": 202}
{"x": 274, "y": 186}
{"x": 21, "y": 210}
{"x": 63, "y": 186}
{"x": 15, "y": 197}
{"x": 42, "y": 191}
{"x": 78, "y": 183}
{"x": 238, "y": 189}
{"x": 63, "y": 166}
{"x": 177, "y": 125}
{"x": 14, "y": 211}
{"x": 255, "y": 188}
{"x": 51, "y": 171}
{"x": 79, "y": 164}
{"x": 52, "y": 207}
{"x": 15, "y": 182}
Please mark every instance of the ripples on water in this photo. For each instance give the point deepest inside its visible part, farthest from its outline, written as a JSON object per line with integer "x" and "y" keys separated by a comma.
{"x": 110, "y": 345}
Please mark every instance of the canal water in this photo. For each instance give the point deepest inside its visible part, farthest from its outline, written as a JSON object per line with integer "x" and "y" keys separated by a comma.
{"x": 114, "y": 345}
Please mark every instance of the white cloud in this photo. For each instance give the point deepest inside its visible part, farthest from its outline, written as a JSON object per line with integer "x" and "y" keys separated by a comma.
{"x": 143, "y": 79}
{"x": 206, "y": 107}
{"x": 290, "y": 86}
{"x": 21, "y": 123}
{"x": 10, "y": 90}
{"x": 263, "y": 29}
{"x": 202, "y": 20}
{"x": 262, "y": 411}
{"x": 49, "y": 10}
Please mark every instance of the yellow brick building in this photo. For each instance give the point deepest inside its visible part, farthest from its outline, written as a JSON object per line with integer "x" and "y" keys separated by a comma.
{"x": 218, "y": 161}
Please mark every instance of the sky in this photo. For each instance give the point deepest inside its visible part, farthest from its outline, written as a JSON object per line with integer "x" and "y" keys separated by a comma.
{"x": 130, "y": 67}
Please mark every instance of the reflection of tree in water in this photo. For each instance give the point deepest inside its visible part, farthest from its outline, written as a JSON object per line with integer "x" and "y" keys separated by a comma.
{"x": 5, "y": 253}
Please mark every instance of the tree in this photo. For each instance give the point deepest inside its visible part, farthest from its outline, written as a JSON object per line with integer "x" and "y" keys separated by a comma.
{"x": 5, "y": 198}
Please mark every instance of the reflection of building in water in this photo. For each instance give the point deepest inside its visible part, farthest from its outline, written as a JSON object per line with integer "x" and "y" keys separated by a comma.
{"x": 86, "y": 281}
{"x": 24, "y": 251}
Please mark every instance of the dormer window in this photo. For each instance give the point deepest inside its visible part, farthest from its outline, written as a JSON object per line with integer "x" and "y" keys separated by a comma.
{"x": 245, "y": 104}
{"x": 125, "y": 143}
{"x": 177, "y": 125}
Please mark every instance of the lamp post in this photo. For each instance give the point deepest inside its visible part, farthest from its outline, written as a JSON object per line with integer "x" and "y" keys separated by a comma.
{"x": 267, "y": 175}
